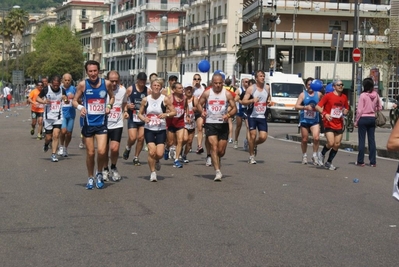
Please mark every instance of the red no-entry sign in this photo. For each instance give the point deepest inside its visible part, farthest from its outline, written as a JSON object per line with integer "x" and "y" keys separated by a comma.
{"x": 356, "y": 55}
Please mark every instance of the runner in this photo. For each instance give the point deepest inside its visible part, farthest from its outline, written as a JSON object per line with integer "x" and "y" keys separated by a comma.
{"x": 231, "y": 88}
{"x": 93, "y": 91}
{"x": 135, "y": 94}
{"x": 37, "y": 110}
{"x": 52, "y": 96}
{"x": 115, "y": 126}
{"x": 68, "y": 115}
{"x": 257, "y": 98}
{"x": 217, "y": 101}
{"x": 171, "y": 81}
{"x": 175, "y": 125}
{"x": 153, "y": 113}
{"x": 241, "y": 111}
{"x": 333, "y": 107}
{"x": 189, "y": 119}
{"x": 198, "y": 90}
{"x": 309, "y": 121}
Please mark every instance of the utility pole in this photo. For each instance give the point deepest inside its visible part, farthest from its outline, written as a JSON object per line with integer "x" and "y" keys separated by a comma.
{"x": 260, "y": 59}
{"x": 209, "y": 37}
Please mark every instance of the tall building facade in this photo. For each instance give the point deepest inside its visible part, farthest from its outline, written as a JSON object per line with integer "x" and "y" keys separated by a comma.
{"x": 212, "y": 35}
{"x": 131, "y": 32}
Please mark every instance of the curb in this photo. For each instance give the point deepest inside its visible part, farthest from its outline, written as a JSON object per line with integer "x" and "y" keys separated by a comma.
{"x": 381, "y": 152}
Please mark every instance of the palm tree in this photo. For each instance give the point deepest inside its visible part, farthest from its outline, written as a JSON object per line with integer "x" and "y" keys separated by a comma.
{"x": 15, "y": 23}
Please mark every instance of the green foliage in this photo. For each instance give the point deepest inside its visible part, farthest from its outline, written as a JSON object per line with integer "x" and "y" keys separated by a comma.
{"x": 57, "y": 51}
{"x": 30, "y": 5}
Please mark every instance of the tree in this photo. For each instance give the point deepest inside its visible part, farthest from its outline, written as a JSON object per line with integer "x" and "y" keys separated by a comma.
{"x": 16, "y": 21}
{"x": 57, "y": 51}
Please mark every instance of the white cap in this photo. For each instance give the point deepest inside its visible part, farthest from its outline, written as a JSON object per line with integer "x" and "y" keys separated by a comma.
{"x": 186, "y": 85}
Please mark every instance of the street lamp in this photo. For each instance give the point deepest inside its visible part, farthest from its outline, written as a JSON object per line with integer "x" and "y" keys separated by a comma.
{"x": 277, "y": 21}
{"x": 236, "y": 66}
{"x": 3, "y": 38}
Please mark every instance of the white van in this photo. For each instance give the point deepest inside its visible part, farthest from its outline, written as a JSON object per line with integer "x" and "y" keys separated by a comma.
{"x": 284, "y": 91}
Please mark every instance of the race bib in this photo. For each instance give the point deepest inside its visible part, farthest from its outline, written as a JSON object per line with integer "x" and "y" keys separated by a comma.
{"x": 154, "y": 120}
{"x": 114, "y": 114}
{"x": 336, "y": 113}
{"x": 55, "y": 105}
{"x": 96, "y": 106}
{"x": 216, "y": 106}
{"x": 136, "y": 116}
{"x": 309, "y": 114}
{"x": 260, "y": 107}
{"x": 179, "y": 112}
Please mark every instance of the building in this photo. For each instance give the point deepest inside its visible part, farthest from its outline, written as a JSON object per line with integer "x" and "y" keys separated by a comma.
{"x": 303, "y": 31}
{"x": 212, "y": 35}
{"x": 130, "y": 34}
{"x": 78, "y": 15}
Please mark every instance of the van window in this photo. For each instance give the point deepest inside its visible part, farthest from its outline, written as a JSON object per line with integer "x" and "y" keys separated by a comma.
{"x": 287, "y": 89}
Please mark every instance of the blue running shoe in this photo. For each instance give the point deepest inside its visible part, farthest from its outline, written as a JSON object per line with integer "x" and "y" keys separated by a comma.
{"x": 99, "y": 180}
{"x": 90, "y": 183}
{"x": 177, "y": 164}
{"x": 166, "y": 154}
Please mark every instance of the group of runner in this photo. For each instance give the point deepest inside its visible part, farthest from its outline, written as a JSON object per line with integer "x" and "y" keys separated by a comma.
{"x": 165, "y": 118}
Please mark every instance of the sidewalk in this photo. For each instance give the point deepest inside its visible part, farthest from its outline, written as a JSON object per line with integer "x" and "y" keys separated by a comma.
{"x": 381, "y": 138}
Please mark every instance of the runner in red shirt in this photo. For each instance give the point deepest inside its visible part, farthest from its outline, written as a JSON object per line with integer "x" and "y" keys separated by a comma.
{"x": 333, "y": 107}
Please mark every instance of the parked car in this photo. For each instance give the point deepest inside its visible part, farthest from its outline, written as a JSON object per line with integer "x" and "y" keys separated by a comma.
{"x": 389, "y": 104}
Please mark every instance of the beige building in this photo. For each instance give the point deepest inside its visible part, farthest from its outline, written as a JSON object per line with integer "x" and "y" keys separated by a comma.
{"x": 79, "y": 14}
{"x": 303, "y": 31}
{"x": 212, "y": 33}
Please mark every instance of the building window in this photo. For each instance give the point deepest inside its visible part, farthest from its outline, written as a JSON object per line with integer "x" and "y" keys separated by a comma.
{"x": 326, "y": 54}
{"x": 83, "y": 25}
{"x": 84, "y": 13}
{"x": 337, "y": 25}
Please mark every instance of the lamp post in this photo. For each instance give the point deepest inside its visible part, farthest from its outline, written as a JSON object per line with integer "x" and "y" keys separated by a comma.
{"x": 277, "y": 21}
{"x": 165, "y": 19}
{"x": 368, "y": 28}
{"x": 3, "y": 38}
{"x": 182, "y": 44}
{"x": 209, "y": 38}
{"x": 260, "y": 36}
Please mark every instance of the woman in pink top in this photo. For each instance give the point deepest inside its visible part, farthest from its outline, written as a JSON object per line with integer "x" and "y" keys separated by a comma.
{"x": 369, "y": 103}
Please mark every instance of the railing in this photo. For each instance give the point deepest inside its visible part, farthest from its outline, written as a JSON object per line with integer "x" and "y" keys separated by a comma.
{"x": 83, "y": 17}
{"x": 312, "y": 37}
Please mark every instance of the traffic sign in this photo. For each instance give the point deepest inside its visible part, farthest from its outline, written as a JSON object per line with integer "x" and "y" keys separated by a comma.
{"x": 356, "y": 55}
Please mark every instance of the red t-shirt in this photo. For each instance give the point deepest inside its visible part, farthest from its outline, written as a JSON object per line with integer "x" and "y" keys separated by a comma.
{"x": 334, "y": 105}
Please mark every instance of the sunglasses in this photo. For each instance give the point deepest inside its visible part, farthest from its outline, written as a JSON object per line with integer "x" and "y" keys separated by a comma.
{"x": 197, "y": 79}
{"x": 114, "y": 81}
{"x": 339, "y": 84}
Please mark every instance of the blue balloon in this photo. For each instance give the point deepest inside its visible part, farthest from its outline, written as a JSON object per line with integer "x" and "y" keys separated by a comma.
{"x": 329, "y": 88}
{"x": 204, "y": 65}
{"x": 316, "y": 85}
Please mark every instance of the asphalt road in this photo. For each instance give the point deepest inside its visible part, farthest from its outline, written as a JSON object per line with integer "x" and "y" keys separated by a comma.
{"x": 275, "y": 213}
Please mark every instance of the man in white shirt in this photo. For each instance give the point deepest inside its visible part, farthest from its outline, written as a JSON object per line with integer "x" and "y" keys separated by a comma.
{"x": 7, "y": 97}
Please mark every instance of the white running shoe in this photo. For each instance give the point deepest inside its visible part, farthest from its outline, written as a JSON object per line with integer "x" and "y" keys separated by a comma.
{"x": 81, "y": 145}
{"x": 304, "y": 160}
{"x": 105, "y": 175}
{"x": 153, "y": 177}
{"x": 230, "y": 140}
{"x": 60, "y": 151}
{"x": 235, "y": 145}
{"x": 329, "y": 166}
{"x": 65, "y": 154}
{"x": 321, "y": 159}
{"x": 252, "y": 160}
{"x": 208, "y": 162}
{"x": 218, "y": 176}
{"x": 115, "y": 175}
{"x": 315, "y": 161}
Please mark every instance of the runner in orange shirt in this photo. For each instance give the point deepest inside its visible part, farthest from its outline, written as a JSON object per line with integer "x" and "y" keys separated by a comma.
{"x": 37, "y": 110}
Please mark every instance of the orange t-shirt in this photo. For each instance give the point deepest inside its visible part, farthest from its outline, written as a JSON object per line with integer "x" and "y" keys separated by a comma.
{"x": 36, "y": 107}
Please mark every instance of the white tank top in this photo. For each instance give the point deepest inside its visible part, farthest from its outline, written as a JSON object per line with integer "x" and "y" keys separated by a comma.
{"x": 154, "y": 108}
{"x": 259, "y": 108}
{"x": 216, "y": 107}
{"x": 54, "y": 109}
{"x": 190, "y": 125}
{"x": 115, "y": 116}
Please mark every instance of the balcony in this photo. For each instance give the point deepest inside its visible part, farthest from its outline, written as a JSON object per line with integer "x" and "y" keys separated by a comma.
{"x": 83, "y": 18}
{"x": 124, "y": 13}
{"x": 326, "y": 8}
{"x": 160, "y": 7}
{"x": 64, "y": 19}
{"x": 95, "y": 35}
{"x": 251, "y": 39}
